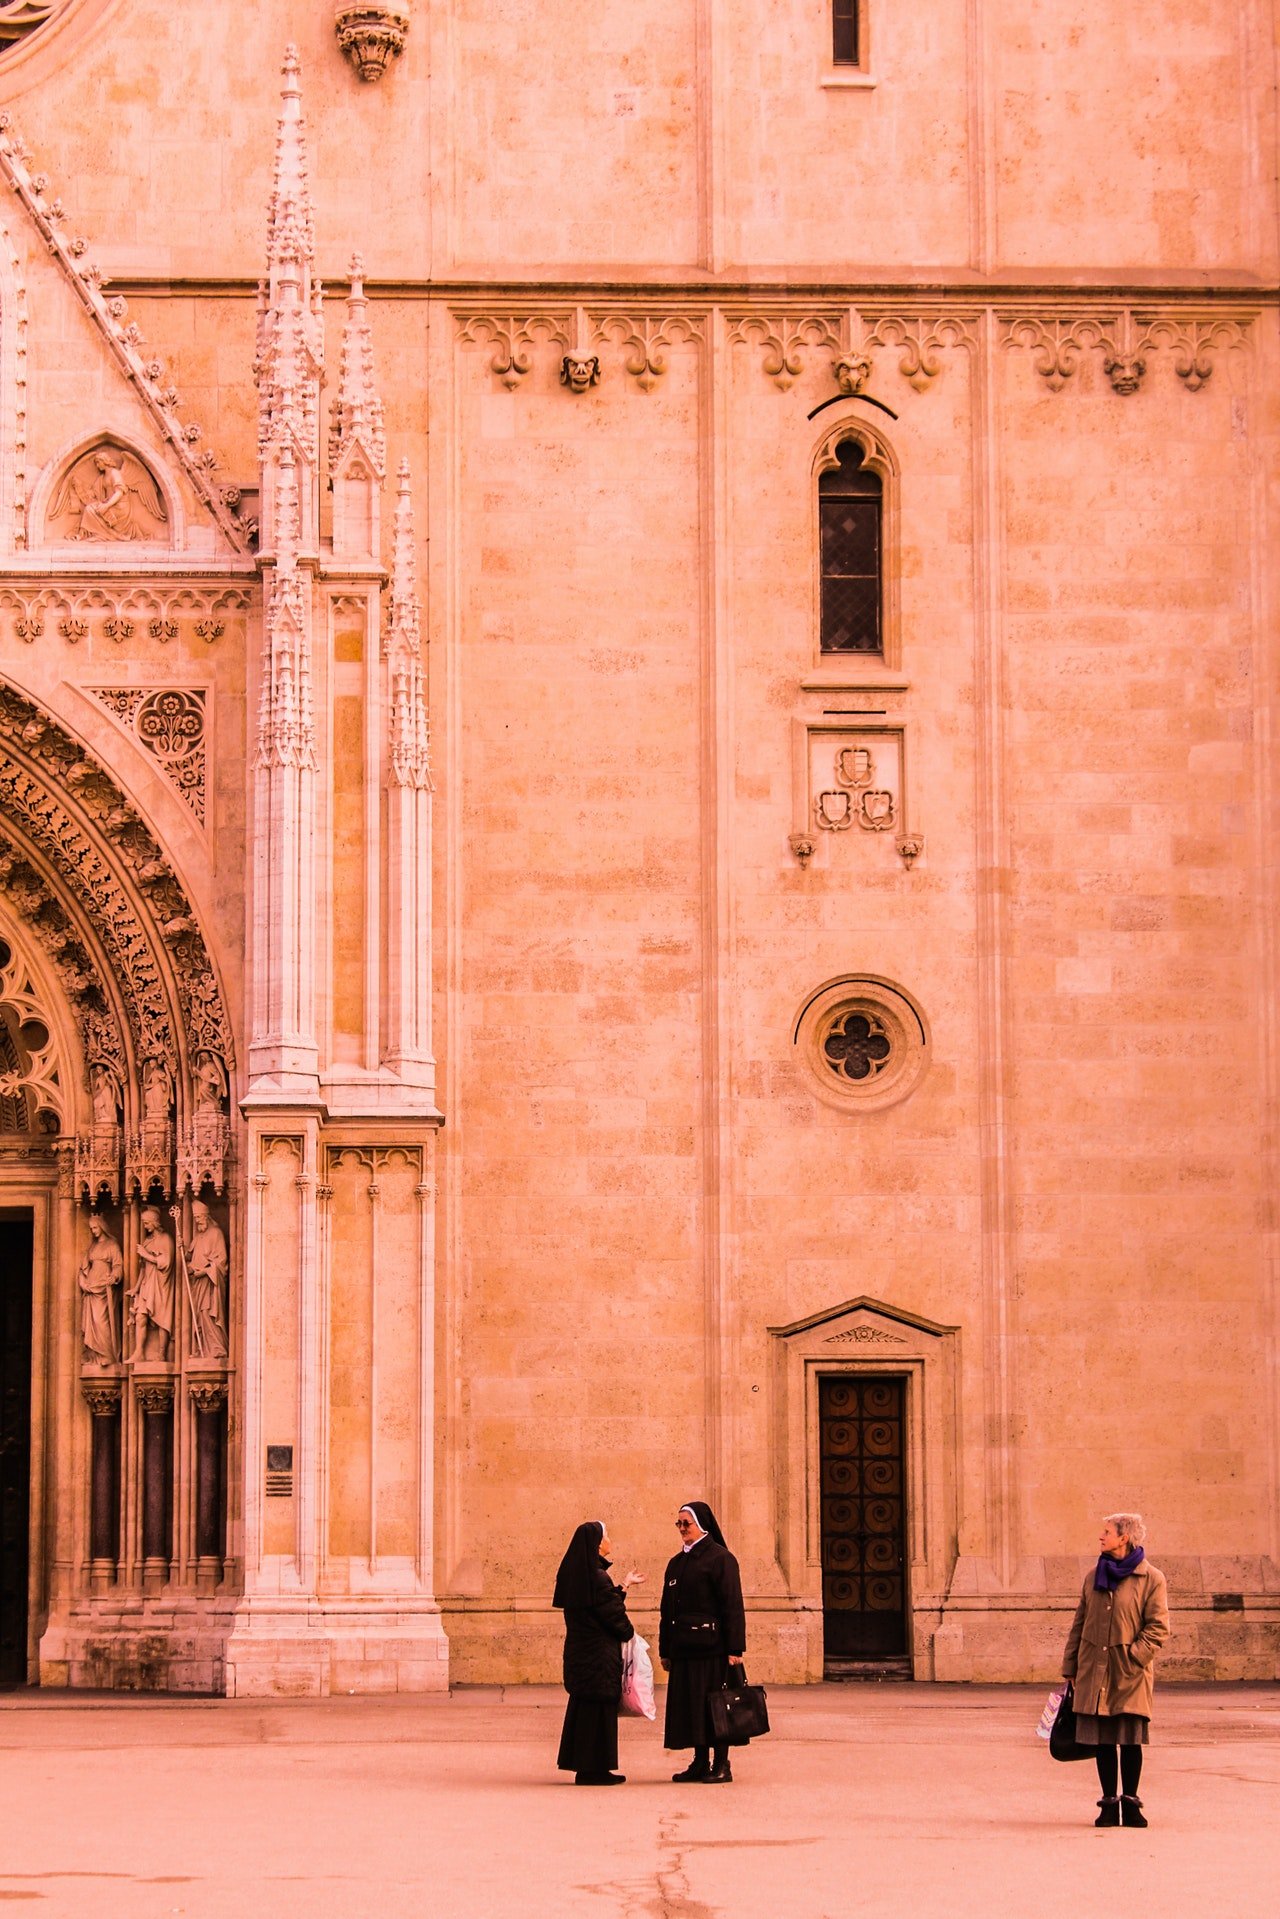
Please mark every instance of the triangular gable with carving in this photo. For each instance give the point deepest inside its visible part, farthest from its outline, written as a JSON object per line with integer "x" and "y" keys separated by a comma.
{"x": 145, "y": 412}
{"x": 867, "y": 1322}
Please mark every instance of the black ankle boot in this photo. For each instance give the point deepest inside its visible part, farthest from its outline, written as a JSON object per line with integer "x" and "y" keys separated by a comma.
{"x": 697, "y": 1769}
{"x": 1131, "y": 1813}
{"x": 1110, "y": 1813}
{"x": 721, "y": 1774}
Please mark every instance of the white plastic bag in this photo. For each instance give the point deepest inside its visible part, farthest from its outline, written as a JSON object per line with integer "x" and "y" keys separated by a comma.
{"x": 637, "y": 1680}
{"x": 1050, "y": 1713}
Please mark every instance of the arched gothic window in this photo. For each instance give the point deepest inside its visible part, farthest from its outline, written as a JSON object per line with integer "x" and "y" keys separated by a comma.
{"x": 18, "y": 18}
{"x": 850, "y": 513}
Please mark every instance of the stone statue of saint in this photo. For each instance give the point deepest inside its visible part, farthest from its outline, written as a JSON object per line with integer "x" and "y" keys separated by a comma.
{"x": 100, "y": 1272}
{"x": 209, "y": 1085}
{"x": 151, "y": 1300}
{"x": 206, "y": 1256}
{"x": 106, "y": 1098}
{"x": 155, "y": 1093}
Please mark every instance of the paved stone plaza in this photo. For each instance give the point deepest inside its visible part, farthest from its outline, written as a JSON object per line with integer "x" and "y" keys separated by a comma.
{"x": 865, "y": 1803}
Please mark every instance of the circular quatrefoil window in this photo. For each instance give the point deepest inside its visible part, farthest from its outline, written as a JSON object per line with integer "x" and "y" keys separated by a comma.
{"x": 863, "y": 1042}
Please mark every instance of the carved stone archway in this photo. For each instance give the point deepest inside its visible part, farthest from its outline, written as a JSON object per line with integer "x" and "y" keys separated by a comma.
{"x": 91, "y": 880}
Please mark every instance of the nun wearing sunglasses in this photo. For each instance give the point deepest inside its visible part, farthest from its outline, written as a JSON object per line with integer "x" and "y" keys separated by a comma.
{"x": 596, "y": 1628}
{"x": 703, "y": 1635}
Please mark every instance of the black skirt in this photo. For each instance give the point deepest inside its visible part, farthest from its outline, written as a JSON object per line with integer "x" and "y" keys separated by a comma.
{"x": 589, "y": 1742}
{"x": 689, "y": 1685}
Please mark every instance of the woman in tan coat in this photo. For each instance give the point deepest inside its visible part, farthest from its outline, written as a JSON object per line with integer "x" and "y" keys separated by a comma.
{"x": 1120, "y": 1624}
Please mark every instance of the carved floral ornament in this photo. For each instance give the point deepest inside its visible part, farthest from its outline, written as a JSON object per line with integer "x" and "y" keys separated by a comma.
{"x": 86, "y": 875}
{"x": 855, "y": 344}
{"x": 168, "y": 722}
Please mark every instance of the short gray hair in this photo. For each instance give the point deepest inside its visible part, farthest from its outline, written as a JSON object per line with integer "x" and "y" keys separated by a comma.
{"x": 1130, "y": 1526}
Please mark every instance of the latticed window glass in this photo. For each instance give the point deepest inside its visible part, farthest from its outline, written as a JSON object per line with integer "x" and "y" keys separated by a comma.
{"x": 844, "y": 32}
{"x": 849, "y": 514}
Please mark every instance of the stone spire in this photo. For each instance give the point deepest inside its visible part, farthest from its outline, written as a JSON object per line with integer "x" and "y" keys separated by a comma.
{"x": 410, "y": 756}
{"x": 290, "y": 355}
{"x": 408, "y": 823}
{"x": 357, "y": 443}
{"x": 283, "y": 1051}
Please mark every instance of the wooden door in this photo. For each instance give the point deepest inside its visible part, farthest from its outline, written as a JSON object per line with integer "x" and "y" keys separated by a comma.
{"x": 15, "y": 1446}
{"x": 864, "y": 1587}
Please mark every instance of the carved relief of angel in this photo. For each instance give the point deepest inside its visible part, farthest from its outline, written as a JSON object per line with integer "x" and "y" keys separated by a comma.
{"x": 112, "y": 496}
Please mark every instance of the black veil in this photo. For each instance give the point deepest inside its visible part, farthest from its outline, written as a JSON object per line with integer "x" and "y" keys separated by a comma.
{"x": 576, "y": 1579}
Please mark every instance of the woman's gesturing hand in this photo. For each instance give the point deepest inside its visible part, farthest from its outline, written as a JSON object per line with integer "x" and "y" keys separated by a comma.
{"x": 633, "y": 1578}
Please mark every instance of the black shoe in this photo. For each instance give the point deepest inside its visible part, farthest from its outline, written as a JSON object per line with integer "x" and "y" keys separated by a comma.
{"x": 719, "y": 1775}
{"x": 1131, "y": 1813}
{"x": 599, "y": 1778}
{"x": 1110, "y": 1813}
{"x": 694, "y": 1771}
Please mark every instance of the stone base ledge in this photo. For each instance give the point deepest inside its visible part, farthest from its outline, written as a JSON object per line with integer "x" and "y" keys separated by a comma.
{"x": 109, "y": 1654}
{"x": 316, "y": 1653}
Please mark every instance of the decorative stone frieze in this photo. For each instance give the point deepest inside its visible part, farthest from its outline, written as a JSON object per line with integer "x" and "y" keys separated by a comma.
{"x": 645, "y": 338}
{"x": 851, "y": 336}
{"x": 114, "y": 609}
{"x": 514, "y": 338}
{"x": 370, "y": 35}
{"x": 1125, "y": 339}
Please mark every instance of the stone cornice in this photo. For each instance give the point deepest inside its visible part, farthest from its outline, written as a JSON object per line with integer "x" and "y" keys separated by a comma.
{"x": 654, "y": 289}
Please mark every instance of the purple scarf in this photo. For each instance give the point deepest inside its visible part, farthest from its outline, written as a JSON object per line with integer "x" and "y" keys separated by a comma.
{"x": 1111, "y": 1571}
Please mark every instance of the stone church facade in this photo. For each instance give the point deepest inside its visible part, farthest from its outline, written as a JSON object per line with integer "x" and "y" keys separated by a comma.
{"x": 637, "y": 827}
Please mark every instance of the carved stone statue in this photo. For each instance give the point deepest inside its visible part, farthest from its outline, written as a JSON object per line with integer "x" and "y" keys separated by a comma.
{"x": 206, "y": 1257}
{"x": 106, "y": 1097}
{"x": 112, "y": 497}
{"x": 209, "y": 1083}
{"x": 151, "y": 1300}
{"x": 100, "y": 1272}
{"x": 155, "y": 1093}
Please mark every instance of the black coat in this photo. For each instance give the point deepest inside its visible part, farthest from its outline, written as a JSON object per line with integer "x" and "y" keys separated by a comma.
{"x": 593, "y": 1641}
{"x": 703, "y": 1583}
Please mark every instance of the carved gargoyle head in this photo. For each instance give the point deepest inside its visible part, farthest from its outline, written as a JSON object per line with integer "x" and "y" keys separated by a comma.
{"x": 852, "y": 371}
{"x": 579, "y": 371}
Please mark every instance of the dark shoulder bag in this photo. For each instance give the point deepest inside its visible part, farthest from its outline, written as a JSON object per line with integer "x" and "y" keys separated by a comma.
{"x": 738, "y": 1713}
{"x": 1063, "y": 1743}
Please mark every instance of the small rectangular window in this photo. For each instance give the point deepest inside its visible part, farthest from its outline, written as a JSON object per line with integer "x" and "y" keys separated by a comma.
{"x": 844, "y": 33}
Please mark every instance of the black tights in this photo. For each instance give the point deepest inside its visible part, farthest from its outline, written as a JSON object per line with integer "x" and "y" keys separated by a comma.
{"x": 721, "y": 1755}
{"x": 1130, "y": 1770}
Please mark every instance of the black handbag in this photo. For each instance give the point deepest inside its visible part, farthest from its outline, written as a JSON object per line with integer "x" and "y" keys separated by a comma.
{"x": 737, "y": 1713}
{"x": 689, "y": 1633}
{"x": 1063, "y": 1743}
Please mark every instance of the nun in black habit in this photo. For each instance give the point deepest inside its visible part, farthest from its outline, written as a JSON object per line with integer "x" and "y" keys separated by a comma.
{"x": 703, "y": 1633}
{"x": 595, "y": 1629}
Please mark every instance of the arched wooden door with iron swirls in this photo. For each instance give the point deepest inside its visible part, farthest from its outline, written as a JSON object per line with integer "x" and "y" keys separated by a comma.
{"x": 863, "y": 1517}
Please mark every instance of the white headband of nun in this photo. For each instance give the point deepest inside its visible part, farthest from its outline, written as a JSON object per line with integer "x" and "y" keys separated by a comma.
{"x": 694, "y": 1517}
